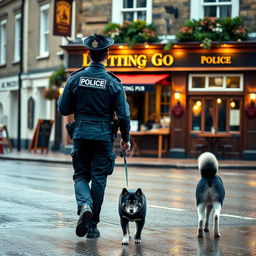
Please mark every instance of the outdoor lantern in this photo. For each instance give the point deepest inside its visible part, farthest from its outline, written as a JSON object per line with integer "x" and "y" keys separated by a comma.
{"x": 177, "y": 110}
{"x": 252, "y": 96}
{"x": 232, "y": 104}
{"x": 251, "y": 108}
{"x": 177, "y": 96}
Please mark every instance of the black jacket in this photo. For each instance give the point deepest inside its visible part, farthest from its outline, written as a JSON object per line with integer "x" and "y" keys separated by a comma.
{"x": 93, "y": 95}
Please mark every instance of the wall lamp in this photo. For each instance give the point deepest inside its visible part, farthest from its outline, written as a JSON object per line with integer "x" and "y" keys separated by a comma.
{"x": 177, "y": 109}
{"x": 252, "y": 97}
{"x": 250, "y": 110}
{"x": 177, "y": 96}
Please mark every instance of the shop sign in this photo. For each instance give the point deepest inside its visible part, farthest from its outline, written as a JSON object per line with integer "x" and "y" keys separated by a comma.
{"x": 216, "y": 59}
{"x": 157, "y": 60}
{"x": 9, "y": 84}
{"x": 139, "y": 88}
{"x": 140, "y": 61}
{"x": 62, "y": 17}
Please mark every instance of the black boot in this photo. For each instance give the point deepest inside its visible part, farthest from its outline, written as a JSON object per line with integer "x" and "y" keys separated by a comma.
{"x": 84, "y": 220}
{"x": 93, "y": 232}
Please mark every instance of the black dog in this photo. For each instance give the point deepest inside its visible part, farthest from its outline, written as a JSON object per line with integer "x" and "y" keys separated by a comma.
{"x": 132, "y": 207}
{"x": 210, "y": 193}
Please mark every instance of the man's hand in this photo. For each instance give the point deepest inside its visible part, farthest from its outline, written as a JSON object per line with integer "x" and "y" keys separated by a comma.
{"x": 125, "y": 145}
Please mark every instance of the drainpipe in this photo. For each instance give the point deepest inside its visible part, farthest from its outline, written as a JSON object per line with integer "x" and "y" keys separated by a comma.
{"x": 20, "y": 73}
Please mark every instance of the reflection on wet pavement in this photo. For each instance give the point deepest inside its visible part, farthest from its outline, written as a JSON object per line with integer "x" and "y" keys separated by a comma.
{"x": 38, "y": 215}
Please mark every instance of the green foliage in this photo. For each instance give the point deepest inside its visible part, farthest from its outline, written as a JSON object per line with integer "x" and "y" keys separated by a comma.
{"x": 58, "y": 77}
{"x": 56, "y": 80}
{"x": 132, "y": 33}
{"x": 168, "y": 46}
{"x": 213, "y": 29}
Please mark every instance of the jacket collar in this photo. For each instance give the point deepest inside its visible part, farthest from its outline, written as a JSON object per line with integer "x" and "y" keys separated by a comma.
{"x": 96, "y": 65}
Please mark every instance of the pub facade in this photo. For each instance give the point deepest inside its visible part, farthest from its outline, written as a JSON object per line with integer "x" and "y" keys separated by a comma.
{"x": 201, "y": 100}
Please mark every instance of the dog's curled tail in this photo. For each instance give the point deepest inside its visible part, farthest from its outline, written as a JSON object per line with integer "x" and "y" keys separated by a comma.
{"x": 208, "y": 165}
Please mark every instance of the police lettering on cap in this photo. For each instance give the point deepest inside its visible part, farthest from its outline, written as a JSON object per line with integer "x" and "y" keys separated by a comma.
{"x": 98, "y": 42}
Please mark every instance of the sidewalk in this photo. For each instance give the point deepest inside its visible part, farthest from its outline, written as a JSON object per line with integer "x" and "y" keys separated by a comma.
{"x": 187, "y": 163}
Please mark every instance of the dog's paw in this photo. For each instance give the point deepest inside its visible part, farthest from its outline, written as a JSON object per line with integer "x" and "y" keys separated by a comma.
{"x": 137, "y": 241}
{"x": 206, "y": 229}
{"x": 125, "y": 240}
{"x": 200, "y": 233}
{"x": 217, "y": 235}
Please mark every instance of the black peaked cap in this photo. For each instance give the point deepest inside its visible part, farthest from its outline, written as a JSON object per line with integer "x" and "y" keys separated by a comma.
{"x": 98, "y": 42}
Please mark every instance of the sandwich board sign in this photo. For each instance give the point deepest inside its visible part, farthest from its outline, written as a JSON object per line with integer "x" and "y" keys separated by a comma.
{"x": 41, "y": 137}
{"x": 6, "y": 140}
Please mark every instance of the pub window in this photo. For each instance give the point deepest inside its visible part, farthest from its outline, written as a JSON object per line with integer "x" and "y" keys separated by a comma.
{"x": 214, "y": 8}
{"x": 216, "y": 82}
{"x": 196, "y": 114}
{"x": 131, "y": 10}
{"x": 217, "y": 8}
{"x": 215, "y": 114}
{"x": 44, "y": 30}
{"x": 3, "y": 44}
{"x": 145, "y": 105}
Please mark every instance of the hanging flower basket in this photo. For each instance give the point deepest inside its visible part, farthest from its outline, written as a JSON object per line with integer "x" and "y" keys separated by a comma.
{"x": 56, "y": 81}
{"x": 51, "y": 93}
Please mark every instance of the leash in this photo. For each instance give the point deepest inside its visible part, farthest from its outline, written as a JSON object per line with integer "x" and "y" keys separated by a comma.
{"x": 123, "y": 154}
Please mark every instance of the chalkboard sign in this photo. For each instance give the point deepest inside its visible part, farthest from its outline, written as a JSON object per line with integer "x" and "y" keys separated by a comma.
{"x": 41, "y": 135}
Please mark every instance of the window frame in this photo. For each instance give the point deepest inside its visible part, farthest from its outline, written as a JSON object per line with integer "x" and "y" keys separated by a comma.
{"x": 215, "y": 113}
{"x": 3, "y": 44}
{"x": 197, "y": 8}
{"x": 215, "y": 89}
{"x": 43, "y": 33}
{"x": 118, "y": 10}
{"x": 17, "y": 38}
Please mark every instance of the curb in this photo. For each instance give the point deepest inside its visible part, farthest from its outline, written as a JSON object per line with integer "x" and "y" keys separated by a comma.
{"x": 139, "y": 165}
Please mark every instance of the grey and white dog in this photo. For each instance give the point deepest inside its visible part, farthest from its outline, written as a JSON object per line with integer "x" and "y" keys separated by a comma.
{"x": 210, "y": 193}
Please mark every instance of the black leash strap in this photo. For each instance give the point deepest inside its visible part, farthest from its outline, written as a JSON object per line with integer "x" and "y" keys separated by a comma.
{"x": 123, "y": 154}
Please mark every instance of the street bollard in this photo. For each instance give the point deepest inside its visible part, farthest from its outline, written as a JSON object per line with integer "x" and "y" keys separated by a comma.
{"x": 1, "y": 141}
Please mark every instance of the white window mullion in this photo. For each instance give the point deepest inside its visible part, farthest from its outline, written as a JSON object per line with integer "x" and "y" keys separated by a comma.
{"x": 197, "y": 8}
{"x": 118, "y": 11}
{"x": 218, "y": 11}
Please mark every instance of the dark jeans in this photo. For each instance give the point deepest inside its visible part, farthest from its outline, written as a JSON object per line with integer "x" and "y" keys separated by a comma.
{"x": 93, "y": 161}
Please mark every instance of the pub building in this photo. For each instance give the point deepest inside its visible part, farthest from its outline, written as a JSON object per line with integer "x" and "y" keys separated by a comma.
{"x": 199, "y": 99}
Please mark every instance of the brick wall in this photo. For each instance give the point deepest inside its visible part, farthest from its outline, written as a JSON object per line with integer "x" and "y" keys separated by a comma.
{"x": 93, "y": 16}
{"x": 248, "y": 12}
{"x": 159, "y": 15}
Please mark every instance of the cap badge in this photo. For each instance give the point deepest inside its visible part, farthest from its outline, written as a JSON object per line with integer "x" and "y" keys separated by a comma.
{"x": 95, "y": 44}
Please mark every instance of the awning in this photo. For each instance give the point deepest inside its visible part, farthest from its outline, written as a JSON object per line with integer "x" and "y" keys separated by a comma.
{"x": 140, "y": 82}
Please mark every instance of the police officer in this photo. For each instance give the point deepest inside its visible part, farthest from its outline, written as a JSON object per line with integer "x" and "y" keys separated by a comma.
{"x": 93, "y": 95}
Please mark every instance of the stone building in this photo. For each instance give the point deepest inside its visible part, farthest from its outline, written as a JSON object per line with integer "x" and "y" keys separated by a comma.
{"x": 42, "y": 55}
{"x": 169, "y": 16}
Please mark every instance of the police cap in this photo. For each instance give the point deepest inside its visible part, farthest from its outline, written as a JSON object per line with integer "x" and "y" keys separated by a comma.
{"x": 98, "y": 42}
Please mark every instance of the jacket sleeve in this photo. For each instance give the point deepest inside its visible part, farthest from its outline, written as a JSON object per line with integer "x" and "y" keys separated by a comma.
{"x": 123, "y": 113}
{"x": 65, "y": 102}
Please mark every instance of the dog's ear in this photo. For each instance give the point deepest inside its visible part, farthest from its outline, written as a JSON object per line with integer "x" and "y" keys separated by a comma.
{"x": 139, "y": 192}
{"x": 124, "y": 192}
